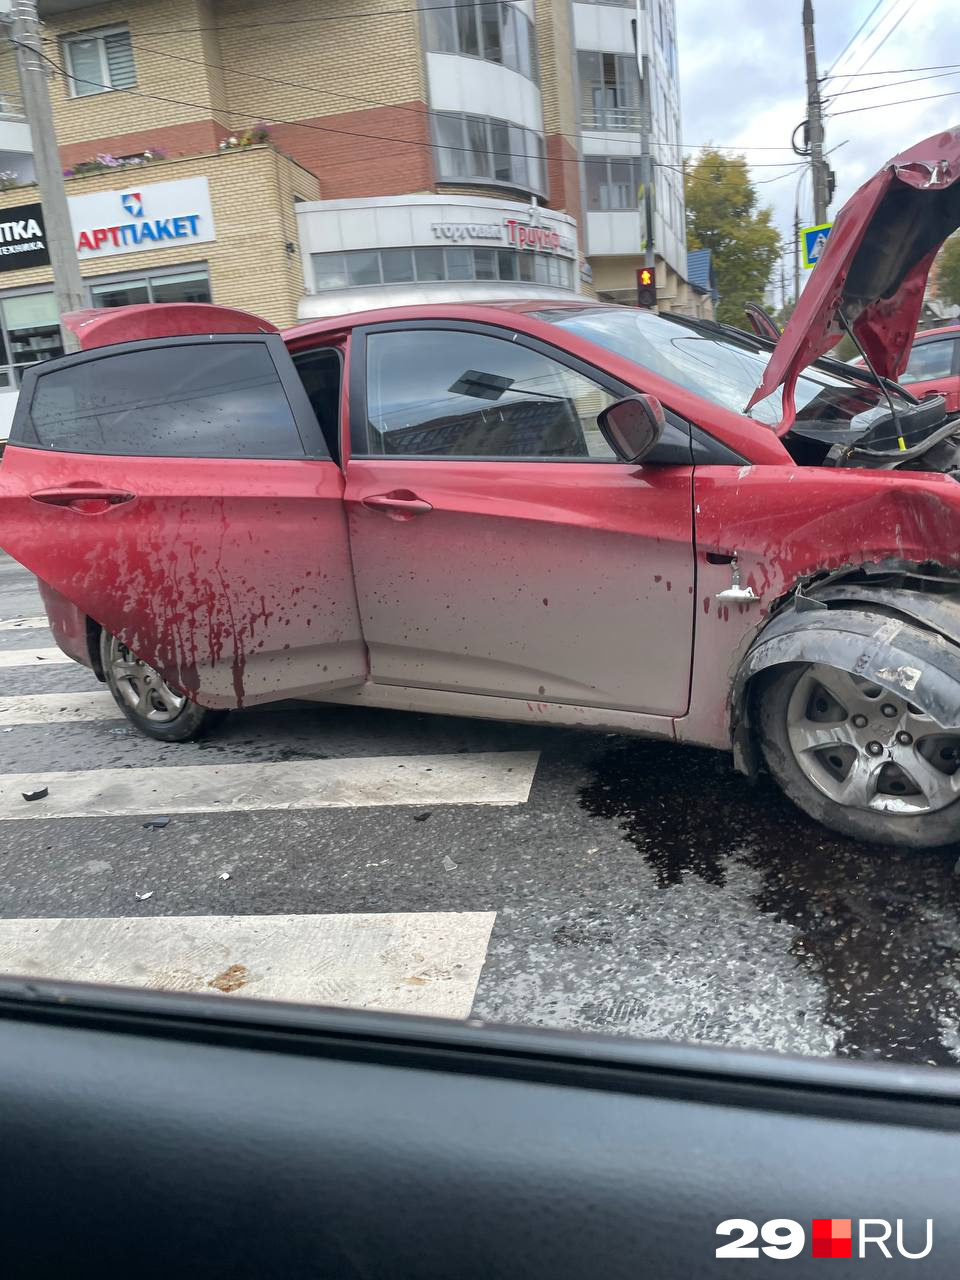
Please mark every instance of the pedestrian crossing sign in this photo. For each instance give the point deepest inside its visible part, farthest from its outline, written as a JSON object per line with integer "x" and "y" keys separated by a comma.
{"x": 813, "y": 240}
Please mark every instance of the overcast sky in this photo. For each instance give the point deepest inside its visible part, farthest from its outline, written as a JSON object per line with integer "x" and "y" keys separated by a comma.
{"x": 742, "y": 82}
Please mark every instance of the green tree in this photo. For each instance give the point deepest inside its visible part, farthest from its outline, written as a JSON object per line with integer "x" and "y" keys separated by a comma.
{"x": 723, "y": 216}
{"x": 950, "y": 270}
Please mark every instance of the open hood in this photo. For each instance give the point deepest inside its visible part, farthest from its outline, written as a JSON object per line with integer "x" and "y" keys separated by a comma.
{"x": 874, "y": 267}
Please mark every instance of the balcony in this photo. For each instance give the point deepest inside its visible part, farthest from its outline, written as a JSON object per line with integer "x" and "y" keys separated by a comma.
{"x": 16, "y": 146}
{"x": 609, "y": 119}
{"x": 11, "y": 106}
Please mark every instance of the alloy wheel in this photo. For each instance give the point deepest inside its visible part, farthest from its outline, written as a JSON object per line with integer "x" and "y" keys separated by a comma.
{"x": 867, "y": 748}
{"x": 142, "y": 688}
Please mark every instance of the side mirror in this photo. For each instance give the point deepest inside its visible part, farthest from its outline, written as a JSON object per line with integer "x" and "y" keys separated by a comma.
{"x": 632, "y": 427}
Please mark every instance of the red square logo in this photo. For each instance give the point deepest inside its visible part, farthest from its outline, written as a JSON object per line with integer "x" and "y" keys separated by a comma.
{"x": 831, "y": 1237}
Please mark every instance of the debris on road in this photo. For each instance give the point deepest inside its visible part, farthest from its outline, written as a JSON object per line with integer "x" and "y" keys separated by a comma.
{"x": 421, "y": 817}
{"x": 142, "y": 897}
{"x": 39, "y": 794}
{"x": 224, "y": 875}
{"x": 155, "y": 824}
{"x": 448, "y": 863}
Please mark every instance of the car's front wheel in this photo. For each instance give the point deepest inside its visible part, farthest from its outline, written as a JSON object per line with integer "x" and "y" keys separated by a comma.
{"x": 858, "y": 758}
{"x": 147, "y": 700}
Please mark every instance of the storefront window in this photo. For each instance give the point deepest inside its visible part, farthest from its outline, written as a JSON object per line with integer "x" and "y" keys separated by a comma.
{"x": 178, "y": 286}
{"x": 123, "y": 294}
{"x": 31, "y": 332}
{"x": 427, "y": 265}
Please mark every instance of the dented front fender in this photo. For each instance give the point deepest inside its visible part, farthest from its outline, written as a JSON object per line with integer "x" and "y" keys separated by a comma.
{"x": 916, "y": 664}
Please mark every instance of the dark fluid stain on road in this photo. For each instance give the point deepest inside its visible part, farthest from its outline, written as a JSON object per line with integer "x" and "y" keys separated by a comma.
{"x": 865, "y": 917}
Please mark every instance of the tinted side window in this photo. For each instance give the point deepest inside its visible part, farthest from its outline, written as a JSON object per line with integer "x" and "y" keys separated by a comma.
{"x": 929, "y": 360}
{"x": 212, "y": 400}
{"x": 469, "y": 395}
{"x": 320, "y": 372}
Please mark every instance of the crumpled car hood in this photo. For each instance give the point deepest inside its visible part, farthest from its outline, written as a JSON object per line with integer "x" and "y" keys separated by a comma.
{"x": 874, "y": 268}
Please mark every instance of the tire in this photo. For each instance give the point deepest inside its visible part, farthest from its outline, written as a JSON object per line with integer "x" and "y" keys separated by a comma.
{"x": 858, "y": 759}
{"x": 147, "y": 700}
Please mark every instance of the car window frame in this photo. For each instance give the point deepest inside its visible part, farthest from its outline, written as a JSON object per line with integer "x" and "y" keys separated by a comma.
{"x": 954, "y": 370}
{"x": 303, "y": 353}
{"x": 690, "y": 445}
{"x": 23, "y": 433}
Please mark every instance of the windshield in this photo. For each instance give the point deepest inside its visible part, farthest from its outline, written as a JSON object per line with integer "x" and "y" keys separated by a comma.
{"x": 719, "y": 367}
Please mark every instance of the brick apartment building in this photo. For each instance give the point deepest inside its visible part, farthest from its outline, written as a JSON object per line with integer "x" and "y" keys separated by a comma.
{"x": 446, "y": 142}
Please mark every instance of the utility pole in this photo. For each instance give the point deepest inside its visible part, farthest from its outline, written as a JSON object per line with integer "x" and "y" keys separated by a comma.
{"x": 818, "y": 171}
{"x": 67, "y": 282}
{"x": 640, "y": 42}
{"x": 646, "y": 160}
{"x": 796, "y": 255}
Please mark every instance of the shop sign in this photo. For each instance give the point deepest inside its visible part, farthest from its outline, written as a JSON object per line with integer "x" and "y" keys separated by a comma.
{"x": 533, "y": 234}
{"x": 155, "y": 215}
{"x": 23, "y": 238}
{"x": 460, "y": 231}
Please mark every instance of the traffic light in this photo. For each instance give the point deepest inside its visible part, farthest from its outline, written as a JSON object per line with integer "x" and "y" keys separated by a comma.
{"x": 646, "y": 287}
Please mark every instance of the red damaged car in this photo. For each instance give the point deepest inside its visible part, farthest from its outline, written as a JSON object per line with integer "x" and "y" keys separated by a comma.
{"x": 565, "y": 512}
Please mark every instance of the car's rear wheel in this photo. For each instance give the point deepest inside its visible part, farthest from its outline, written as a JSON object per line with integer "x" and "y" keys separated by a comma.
{"x": 859, "y": 759}
{"x": 147, "y": 700}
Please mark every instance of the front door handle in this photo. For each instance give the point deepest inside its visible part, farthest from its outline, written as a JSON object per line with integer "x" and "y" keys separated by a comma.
{"x": 399, "y": 504}
{"x": 70, "y": 495}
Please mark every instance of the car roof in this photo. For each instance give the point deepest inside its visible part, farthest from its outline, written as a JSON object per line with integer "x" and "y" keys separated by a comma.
{"x": 946, "y": 329}
{"x": 492, "y": 312}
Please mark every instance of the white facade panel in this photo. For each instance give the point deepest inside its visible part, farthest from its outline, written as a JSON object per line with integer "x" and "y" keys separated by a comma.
{"x": 619, "y": 142}
{"x": 603, "y": 26}
{"x": 15, "y": 136}
{"x": 483, "y": 89}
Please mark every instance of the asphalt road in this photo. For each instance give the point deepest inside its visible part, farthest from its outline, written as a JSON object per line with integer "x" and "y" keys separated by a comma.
{"x": 562, "y": 878}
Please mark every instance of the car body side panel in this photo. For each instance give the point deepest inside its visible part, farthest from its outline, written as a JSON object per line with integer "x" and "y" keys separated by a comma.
{"x": 567, "y": 582}
{"x": 948, "y": 387}
{"x": 231, "y": 577}
{"x": 68, "y": 624}
{"x": 787, "y": 524}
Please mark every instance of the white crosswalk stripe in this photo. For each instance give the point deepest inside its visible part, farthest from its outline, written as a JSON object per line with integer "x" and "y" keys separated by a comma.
{"x": 426, "y": 963}
{"x": 24, "y": 624}
{"x": 36, "y": 657}
{"x": 58, "y": 708}
{"x": 492, "y": 777}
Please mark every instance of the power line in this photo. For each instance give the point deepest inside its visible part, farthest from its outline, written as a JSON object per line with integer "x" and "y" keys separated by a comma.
{"x": 375, "y": 137}
{"x": 902, "y": 102}
{"x": 877, "y": 47}
{"x": 303, "y": 124}
{"x": 895, "y": 71}
{"x": 299, "y": 22}
{"x": 375, "y": 102}
{"x": 852, "y": 39}
{"x": 890, "y": 84}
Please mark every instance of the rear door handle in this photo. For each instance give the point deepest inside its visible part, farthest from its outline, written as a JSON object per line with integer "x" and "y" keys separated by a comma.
{"x": 399, "y": 503}
{"x": 82, "y": 493}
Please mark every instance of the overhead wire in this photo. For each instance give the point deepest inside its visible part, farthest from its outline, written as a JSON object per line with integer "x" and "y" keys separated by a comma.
{"x": 839, "y": 58}
{"x": 877, "y": 47}
{"x": 350, "y": 133}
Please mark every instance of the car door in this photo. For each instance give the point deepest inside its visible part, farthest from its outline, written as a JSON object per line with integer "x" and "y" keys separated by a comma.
{"x": 934, "y": 368}
{"x": 179, "y": 492}
{"x": 499, "y": 547}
